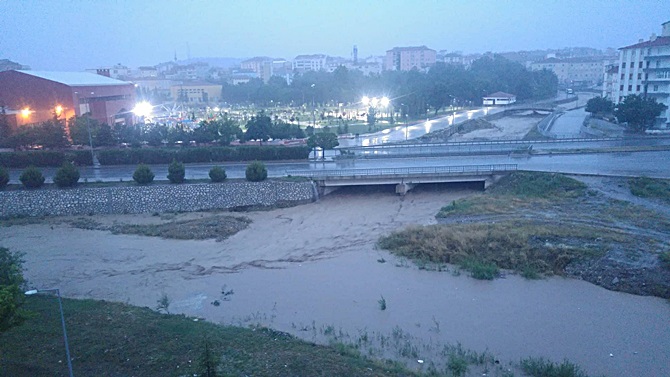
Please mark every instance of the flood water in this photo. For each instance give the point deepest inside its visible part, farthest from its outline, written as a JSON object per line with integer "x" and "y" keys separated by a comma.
{"x": 313, "y": 271}
{"x": 513, "y": 318}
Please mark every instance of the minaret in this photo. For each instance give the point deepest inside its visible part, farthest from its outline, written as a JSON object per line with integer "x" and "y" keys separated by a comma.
{"x": 355, "y": 55}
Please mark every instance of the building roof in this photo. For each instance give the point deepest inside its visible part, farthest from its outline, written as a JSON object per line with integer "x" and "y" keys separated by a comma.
{"x": 307, "y": 57}
{"x": 75, "y": 78}
{"x": 257, "y": 59}
{"x": 659, "y": 41}
{"x": 500, "y": 95}
{"x": 411, "y": 48}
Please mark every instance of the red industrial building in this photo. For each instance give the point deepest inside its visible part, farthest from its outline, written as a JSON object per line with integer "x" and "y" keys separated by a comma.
{"x": 35, "y": 96}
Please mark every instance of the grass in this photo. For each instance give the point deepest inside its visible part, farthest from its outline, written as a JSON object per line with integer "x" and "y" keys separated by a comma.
{"x": 539, "y": 367}
{"x": 519, "y": 189}
{"x": 525, "y": 246}
{"x": 115, "y": 339}
{"x": 664, "y": 257}
{"x": 645, "y": 187}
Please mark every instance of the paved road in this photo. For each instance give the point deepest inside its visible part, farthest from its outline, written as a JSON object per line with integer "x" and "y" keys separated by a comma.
{"x": 569, "y": 123}
{"x": 652, "y": 164}
{"x": 413, "y": 131}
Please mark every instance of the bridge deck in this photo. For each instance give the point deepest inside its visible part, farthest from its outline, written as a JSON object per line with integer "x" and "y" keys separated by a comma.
{"x": 382, "y": 173}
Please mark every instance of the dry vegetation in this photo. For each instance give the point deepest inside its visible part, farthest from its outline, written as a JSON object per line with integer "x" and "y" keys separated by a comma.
{"x": 542, "y": 223}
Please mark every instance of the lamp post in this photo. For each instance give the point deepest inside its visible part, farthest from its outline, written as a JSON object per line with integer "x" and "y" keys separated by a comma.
{"x": 62, "y": 320}
{"x": 313, "y": 109}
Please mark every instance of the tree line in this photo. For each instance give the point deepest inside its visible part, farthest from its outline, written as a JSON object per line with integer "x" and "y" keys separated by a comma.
{"x": 637, "y": 112}
{"x": 414, "y": 93}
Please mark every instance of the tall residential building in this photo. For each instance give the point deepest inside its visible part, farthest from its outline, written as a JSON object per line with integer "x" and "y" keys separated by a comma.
{"x": 644, "y": 68}
{"x": 408, "y": 58}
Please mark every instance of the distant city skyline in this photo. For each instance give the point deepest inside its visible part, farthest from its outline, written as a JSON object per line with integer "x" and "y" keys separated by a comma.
{"x": 78, "y": 34}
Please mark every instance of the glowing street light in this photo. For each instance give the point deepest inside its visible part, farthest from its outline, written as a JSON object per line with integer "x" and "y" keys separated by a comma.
{"x": 58, "y": 110}
{"x": 62, "y": 320}
{"x": 365, "y": 100}
{"x": 385, "y": 101}
{"x": 25, "y": 112}
{"x": 143, "y": 109}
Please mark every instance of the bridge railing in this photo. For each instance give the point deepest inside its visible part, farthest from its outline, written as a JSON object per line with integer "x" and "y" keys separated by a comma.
{"x": 407, "y": 171}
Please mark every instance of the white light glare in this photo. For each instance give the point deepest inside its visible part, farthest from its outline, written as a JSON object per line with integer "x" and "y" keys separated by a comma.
{"x": 143, "y": 109}
{"x": 365, "y": 100}
{"x": 385, "y": 101}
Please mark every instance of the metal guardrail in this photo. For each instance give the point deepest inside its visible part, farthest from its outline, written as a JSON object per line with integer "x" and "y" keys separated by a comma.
{"x": 483, "y": 143}
{"x": 409, "y": 171}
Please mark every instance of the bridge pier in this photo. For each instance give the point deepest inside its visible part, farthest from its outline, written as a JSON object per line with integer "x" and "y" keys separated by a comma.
{"x": 403, "y": 188}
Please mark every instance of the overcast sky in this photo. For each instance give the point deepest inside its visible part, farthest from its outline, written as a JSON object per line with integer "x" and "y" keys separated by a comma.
{"x": 80, "y": 34}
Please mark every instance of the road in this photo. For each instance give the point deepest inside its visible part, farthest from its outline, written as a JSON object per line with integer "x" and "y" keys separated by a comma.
{"x": 652, "y": 164}
{"x": 413, "y": 131}
{"x": 569, "y": 124}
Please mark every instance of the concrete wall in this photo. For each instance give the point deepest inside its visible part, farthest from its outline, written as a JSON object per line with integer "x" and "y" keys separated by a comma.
{"x": 152, "y": 198}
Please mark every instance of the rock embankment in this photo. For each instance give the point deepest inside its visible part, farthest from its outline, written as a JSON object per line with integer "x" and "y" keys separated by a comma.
{"x": 152, "y": 198}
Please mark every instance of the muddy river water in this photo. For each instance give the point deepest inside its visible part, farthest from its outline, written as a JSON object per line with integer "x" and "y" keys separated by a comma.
{"x": 313, "y": 271}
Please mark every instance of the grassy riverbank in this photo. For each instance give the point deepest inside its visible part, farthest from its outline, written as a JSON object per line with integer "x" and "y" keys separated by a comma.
{"x": 541, "y": 224}
{"x": 111, "y": 339}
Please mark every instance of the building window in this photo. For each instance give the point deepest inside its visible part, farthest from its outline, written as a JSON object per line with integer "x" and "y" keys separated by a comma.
{"x": 639, "y": 76}
{"x": 623, "y": 65}
{"x": 640, "y": 65}
{"x": 621, "y": 88}
{"x": 658, "y": 64}
{"x": 655, "y": 88}
{"x": 630, "y": 76}
{"x": 630, "y": 88}
{"x": 623, "y": 76}
{"x": 637, "y": 88}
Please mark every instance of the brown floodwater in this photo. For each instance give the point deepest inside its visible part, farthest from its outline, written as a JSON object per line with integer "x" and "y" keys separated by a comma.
{"x": 313, "y": 271}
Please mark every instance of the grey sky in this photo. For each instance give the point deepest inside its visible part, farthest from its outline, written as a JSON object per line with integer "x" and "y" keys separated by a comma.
{"x": 78, "y": 34}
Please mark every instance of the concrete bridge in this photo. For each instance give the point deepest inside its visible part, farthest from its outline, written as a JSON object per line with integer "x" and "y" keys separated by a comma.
{"x": 404, "y": 178}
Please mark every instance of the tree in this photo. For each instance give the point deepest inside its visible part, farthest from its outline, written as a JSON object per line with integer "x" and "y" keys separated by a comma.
{"x": 256, "y": 172}
{"x": 176, "y": 172}
{"x": 11, "y": 289}
{"x": 4, "y": 177}
{"x": 217, "y": 174}
{"x": 67, "y": 175}
{"x": 208, "y": 362}
{"x": 259, "y": 127}
{"x": 599, "y": 105}
{"x": 32, "y": 177}
{"x": 5, "y": 128}
{"x": 143, "y": 175}
{"x": 323, "y": 140}
{"x": 638, "y": 112}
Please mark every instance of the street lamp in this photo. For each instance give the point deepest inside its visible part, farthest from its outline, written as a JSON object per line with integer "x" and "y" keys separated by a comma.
{"x": 62, "y": 320}
{"x": 313, "y": 109}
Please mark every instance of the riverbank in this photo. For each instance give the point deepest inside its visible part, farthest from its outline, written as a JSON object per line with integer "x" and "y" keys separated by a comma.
{"x": 313, "y": 271}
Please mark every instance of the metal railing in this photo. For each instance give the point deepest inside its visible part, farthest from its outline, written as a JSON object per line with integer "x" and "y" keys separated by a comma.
{"x": 409, "y": 171}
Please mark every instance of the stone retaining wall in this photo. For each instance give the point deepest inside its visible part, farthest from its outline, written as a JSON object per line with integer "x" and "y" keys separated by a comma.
{"x": 152, "y": 198}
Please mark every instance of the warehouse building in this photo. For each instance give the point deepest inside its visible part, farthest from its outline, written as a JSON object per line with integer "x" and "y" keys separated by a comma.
{"x": 36, "y": 96}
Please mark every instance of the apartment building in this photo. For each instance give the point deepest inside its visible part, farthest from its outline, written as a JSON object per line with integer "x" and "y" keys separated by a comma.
{"x": 316, "y": 62}
{"x": 644, "y": 68}
{"x": 408, "y": 58}
{"x": 575, "y": 71}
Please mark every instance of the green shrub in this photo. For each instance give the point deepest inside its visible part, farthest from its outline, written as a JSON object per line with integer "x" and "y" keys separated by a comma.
{"x": 480, "y": 269}
{"x": 4, "y": 178}
{"x": 256, "y": 172}
{"x": 143, "y": 174}
{"x": 539, "y": 367}
{"x": 200, "y": 154}
{"x": 32, "y": 177}
{"x": 176, "y": 172}
{"x": 217, "y": 174}
{"x": 67, "y": 175}
{"x": 665, "y": 259}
